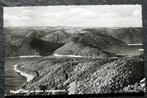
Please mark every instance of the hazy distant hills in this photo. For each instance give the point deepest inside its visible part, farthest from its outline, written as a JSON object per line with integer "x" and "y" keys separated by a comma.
{"x": 79, "y": 41}
{"x": 127, "y": 35}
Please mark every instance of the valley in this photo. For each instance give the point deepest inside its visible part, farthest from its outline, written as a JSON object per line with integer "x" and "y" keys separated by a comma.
{"x": 74, "y": 60}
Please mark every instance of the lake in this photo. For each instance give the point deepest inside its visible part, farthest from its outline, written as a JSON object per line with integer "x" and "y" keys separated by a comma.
{"x": 13, "y": 80}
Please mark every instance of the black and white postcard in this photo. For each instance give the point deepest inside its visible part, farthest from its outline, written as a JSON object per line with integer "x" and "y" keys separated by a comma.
{"x": 73, "y": 50}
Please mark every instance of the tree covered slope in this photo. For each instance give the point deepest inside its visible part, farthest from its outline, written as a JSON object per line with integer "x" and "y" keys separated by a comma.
{"x": 47, "y": 40}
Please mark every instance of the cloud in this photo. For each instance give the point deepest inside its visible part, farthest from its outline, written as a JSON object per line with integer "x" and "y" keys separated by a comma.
{"x": 137, "y": 13}
{"x": 13, "y": 20}
{"x": 92, "y": 16}
{"x": 109, "y": 14}
{"x": 13, "y": 17}
{"x": 10, "y": 17}
{"x": 87, "y": 14}
{"x": 76, "y": 14}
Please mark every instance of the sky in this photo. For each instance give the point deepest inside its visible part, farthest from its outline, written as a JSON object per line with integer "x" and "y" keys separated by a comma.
{"x": 79, "y": 16}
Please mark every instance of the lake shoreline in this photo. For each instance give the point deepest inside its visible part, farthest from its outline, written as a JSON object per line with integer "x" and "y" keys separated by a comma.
{"x": 28, "y": 77}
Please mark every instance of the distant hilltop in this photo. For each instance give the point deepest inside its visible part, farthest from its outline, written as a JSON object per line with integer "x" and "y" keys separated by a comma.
{"x": 47, "y": 40}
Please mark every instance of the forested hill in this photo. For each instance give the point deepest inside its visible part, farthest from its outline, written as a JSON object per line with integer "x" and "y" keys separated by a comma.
{"x": 46, "y": 40}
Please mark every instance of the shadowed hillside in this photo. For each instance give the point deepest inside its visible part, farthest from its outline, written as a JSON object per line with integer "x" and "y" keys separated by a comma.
{"x": 78, "y": 60}
{"x": 20, "y": 40}
{"x": 44, "y": 47}
{"x": 26, "y": 41}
